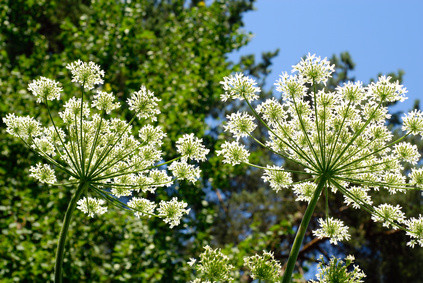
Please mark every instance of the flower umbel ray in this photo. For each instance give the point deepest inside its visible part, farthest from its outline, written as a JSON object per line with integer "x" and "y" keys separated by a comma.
{"x": 339, "y": 138}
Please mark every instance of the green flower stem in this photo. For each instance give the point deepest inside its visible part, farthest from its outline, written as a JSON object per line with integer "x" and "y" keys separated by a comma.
{"x": 295, "y": 250}
{"x": 82, "y": 187}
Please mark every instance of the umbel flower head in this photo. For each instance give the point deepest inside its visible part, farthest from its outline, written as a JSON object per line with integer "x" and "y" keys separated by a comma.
{"x": 263, "y": 267}
{"x": 100, "y": 154}
{"x": 213, "y": 266}
{"x": 339, "y": 138}
{"x": 336, "y": 270}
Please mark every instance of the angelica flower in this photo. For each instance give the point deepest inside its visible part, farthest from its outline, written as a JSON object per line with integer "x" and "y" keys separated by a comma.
{"x": 45, "y": 88}
{"x": 191, "y": 147}
{"x": 45, "y": 145}
{"x": 144, "y": 104}
{"x": 272, "y": 111}
{"x": 291, "y": 86}
{"x": 152, "y": 135}
{"x": 333, "y": 229}
{"x": 234, "y": 153}
{"x": 337, "y": 271}
{"x": 338, "y": 139}
{"x": 413, "y": 122}
{"x": 213, "y": 266}
{"x": 387, "y": 211}
{"x": 277, "y": 178}
{"x": 143, "y": 207}
{"x": 22, "y": 127}
{"x": 314, "y": 69}
{"x": 184, "y": 171}
{"x": 352, "y": 92}
{"x": 103, "y": 101}
{"x": 91, "y": 206}
{"x": 101, "y": 154}
{"x": 416, "y": 177}
{"x": 239, "y": 86}
{"x": 415, "y": 231}
{"x": 172, "y": 211}
{"x": 304, "y": 191}
{"x": 43, "y": 173}
{"x": 357, "y": 193}
{"x": 387, "y": 91}
{"x": 263, "y": 267}
{"x": 407, "y": 152}
{"x": 240, "y": 124}
{"x": 87, "y": 74}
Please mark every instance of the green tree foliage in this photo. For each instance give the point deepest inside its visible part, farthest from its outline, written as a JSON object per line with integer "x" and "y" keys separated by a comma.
{"x": 178, "y": 50}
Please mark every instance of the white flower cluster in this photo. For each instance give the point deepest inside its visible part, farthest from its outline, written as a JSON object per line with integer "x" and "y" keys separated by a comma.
{"x": 43, "y": 173}
{"x": 337, "y": 271}
{"x": 304, "y": 191}
{"x": 277, "y": 177}
{"x": 239, "y": 86}
{"x": 338, "y": 137}
{"x": 172, "y": 211}
{"x": 144, "y": 104}
{"x": 389, "y": 214}
{"x": 240, "y": 124}
{"x": 415, "y": 231}
{"x": 333, "y": 229}
{"x": 234, "y": 153}
{"x": 191, "y": 147}
{"x": 264, "y": 267}
{"x": 102, "y": 152}
{"x": 313, "y": 69}
{"x": 25, "y": 128}
{"x": 45, "y": 88}
{"x": 87, "y": 74}
{"x": 92, "y": 206}
{"x": 103, "y": 101}
{"x": 213, "y": 266}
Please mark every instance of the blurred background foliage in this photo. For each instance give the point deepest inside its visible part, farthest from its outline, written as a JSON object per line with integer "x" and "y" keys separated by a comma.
{"x": 179, "y": 50}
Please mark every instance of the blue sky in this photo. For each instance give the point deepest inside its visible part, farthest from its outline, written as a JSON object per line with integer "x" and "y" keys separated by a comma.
{"x": 381, "y": 36}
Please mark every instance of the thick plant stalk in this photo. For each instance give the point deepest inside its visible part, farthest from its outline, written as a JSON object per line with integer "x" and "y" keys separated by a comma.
{"x": 63, "y": 232}
{"x": 301, "y": 232}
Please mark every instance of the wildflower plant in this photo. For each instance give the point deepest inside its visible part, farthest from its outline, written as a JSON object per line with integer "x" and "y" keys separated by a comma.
{"x": 339, "y": 271}
{"x": 100, "y": 155}
{"x": 264, "y": 268}
{"x": 340, "y": 140}
{"x": 214, "y": 266}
